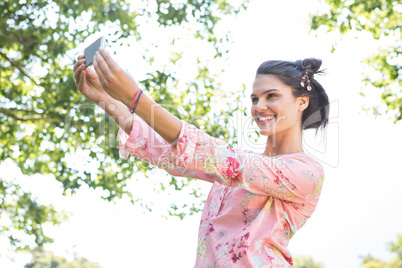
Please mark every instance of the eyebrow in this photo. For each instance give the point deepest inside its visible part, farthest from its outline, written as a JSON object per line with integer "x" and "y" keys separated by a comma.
{"x": 265, "y": 92}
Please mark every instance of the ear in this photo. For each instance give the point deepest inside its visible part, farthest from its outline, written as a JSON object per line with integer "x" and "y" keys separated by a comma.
{"x": 303, "y": 102}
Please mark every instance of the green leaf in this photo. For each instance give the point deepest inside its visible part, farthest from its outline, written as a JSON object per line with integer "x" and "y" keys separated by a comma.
{"x": 46, "y": 124}
{"x": 382, "y": 20}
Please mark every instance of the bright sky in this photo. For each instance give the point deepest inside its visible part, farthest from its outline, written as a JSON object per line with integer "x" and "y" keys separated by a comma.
{"x": 360, "y": 209}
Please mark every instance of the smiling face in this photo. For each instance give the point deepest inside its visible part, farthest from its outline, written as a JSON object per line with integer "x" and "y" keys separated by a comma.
{"x": 274, "y": 107}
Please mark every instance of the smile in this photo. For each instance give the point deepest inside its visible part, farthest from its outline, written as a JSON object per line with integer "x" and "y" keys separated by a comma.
{"x": 265, "y": 120}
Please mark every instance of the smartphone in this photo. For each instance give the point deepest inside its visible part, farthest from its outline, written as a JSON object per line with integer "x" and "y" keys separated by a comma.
{"x": 90, "y": 51}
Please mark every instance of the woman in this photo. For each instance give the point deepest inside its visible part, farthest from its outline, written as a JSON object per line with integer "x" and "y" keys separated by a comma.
{"x": 258, "y": 200}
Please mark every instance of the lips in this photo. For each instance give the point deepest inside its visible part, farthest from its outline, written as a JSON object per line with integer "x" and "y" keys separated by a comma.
{"x": 265, "y": 119}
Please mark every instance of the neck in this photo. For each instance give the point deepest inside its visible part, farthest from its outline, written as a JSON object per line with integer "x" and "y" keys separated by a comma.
{"x": 285, "y": 142}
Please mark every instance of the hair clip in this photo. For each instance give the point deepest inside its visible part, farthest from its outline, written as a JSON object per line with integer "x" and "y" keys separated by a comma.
{"x": 306, "y": 79}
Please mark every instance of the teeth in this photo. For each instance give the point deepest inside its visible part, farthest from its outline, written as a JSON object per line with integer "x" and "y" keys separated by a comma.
{"x": 266, "y": 118}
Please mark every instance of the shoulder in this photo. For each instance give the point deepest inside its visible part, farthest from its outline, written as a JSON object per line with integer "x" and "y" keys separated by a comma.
{"x": 301, "y": 161}
{"x": 305, "y": 171}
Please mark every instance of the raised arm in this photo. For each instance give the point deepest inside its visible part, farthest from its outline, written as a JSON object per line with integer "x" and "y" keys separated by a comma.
{"x": 296, "y": 179}
{"x": 121, "y": 86}
{"x": 136, "y": 137}
{"x": 88, "y": 84}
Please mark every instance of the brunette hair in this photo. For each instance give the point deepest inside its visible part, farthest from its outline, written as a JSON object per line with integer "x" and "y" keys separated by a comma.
{"x": 290, "y": 73}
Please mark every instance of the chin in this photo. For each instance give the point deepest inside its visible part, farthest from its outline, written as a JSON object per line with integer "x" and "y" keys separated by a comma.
{"x": 266, "y": 132}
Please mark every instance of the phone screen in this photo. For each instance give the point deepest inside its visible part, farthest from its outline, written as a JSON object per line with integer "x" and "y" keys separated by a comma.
{"x": 90, "y": 51}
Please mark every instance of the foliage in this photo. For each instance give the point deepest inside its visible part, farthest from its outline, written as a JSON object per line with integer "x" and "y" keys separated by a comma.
{"x": 41, "y": 127}
{"x": 370, "y": 262}
{"x": 46, "y": 259}
{"x": 26, "y": 216}
{"x": 397, "y": 248}
{"x": 383, "y": 20}
{"x": 305, "y": 262}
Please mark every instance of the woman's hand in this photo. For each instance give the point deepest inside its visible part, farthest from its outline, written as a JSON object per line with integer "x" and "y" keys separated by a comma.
{"x": 116, "y": 82}
{"x": 87, "y": 82}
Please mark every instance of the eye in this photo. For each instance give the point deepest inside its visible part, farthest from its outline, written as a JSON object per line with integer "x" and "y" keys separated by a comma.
{"x": 254, "y": 100}
{"x": 271, "y": 95}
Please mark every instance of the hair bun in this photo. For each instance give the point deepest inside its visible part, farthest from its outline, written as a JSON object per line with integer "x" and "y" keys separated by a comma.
{"x": 312, "y": 65}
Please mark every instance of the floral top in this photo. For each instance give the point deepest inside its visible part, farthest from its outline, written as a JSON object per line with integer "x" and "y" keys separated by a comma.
{"x": 256, "y": 203}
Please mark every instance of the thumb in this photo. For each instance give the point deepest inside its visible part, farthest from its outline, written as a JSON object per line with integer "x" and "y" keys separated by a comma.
{"x": 91, "y": 73}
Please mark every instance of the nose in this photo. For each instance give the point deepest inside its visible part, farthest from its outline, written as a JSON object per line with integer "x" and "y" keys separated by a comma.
{"x": 260, "y": 106}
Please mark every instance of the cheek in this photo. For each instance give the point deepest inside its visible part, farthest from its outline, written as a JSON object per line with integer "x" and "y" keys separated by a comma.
{"x": 287, "y": 112}
{"x": 293, "y": 113}
{"x": 278, "y": 107}
{"x": 252, "y": 109}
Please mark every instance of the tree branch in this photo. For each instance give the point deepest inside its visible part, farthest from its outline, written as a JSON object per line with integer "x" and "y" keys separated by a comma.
{"x": 25, "y": 111}
{"x": 7, "y": 112}
{"x": 18, "y": 67}
{"x": 19, "y": 40}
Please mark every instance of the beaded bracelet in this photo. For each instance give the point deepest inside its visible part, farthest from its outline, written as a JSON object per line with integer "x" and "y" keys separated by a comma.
{"x": 135, "y": 107}
{"x": 135, "y": 98}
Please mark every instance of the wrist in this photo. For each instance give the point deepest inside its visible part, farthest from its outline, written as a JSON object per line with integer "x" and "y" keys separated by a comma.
{"x": 104, "y": 100}
{"x": 130, "y": 100}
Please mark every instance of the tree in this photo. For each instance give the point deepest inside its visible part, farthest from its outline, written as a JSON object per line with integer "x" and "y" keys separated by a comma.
{"x": 42, "y": 122}
{"x": 305, "y": 262}
{"x": 383, "y": 20}
{"x": 397, "y": 248}
{"x": 46, "y": 259}
{"x": 26, "y": 216}
{"x": 370, "y": 262}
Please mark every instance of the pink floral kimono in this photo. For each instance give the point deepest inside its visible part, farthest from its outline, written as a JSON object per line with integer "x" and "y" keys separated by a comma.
{"x": 256, "y": 203}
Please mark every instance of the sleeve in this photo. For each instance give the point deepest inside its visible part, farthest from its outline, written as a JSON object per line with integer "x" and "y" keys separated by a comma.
{"x": 145, "y": 144}
{"x": 289, "y": 179}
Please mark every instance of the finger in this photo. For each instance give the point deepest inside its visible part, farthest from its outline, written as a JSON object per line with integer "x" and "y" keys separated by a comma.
{"x": 78, "y": 64}
{"x": 91, "y": 76}
{"x": 82, "y": 80}
{"x": 102, "y": 65}
{"x": 108, "y": 59}
{"x": 90, "y": 72}
{"x": 80, "y": 57}
{"x": 98, "y": 71}
{"x": 77, "y": 73}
